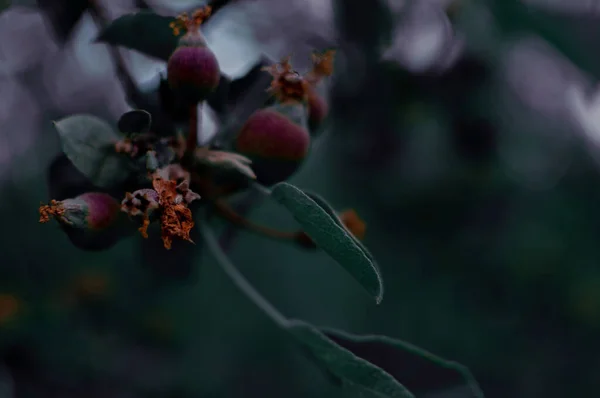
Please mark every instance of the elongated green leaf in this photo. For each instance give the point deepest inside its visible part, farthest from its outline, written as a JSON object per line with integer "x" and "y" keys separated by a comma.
{"x": 418, "y": 370}
{"x": 331, "y": 237}
{"x": 144, "y": 31}
{"x": 333, "y": 214}
{"x": 337, "y": 360}
{"x": 88, "y": 142}
{"x": 344, "y": 364}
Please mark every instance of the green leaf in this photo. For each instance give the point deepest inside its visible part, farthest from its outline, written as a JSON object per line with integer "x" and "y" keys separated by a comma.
{"x": 338, "y": 361}
{"x": 418, "y": 370}
{"x": 326, "y": 233}
{"x": 144, "y": 31}
{"x": 88, "y": 142}
{"x": 333, "y": 214}
{"x": 135, "y": 122}
{"x": 344, "y": 364}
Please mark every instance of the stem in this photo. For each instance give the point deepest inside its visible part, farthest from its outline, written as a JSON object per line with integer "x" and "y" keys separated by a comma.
{"x": 228, "y": 236}
{"x": 229, "y": 214}
{"x": 131, "y": 89}
{"x": 238, "y": 279}
{"x": 192, "y": 138}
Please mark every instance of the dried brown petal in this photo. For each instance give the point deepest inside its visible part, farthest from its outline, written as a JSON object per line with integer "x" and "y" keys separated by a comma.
{"x": 176, "y": 218}
{"x": 287, "y": 85}
{"x": 353, "y": 223}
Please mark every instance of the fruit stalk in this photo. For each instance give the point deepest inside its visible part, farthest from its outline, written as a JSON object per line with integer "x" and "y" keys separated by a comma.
{"x": 192, "y": 138}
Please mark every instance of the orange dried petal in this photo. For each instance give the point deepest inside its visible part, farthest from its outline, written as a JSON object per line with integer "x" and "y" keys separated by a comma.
{"x": 54, "y": 209}
{"x": 353, "y": 223}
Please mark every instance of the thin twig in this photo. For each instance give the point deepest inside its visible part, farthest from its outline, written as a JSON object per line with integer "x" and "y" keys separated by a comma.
{"x": 228, "y": 236}
{"x": 226, "y": 212}
{"x": 238, "y": 279}
{"x": 131, "y": 90}
{"x": 192, "y": 138}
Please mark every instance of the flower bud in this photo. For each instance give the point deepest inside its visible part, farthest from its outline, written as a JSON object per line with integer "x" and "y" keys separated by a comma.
{"x": 192, "y": 70}
{"x": 91, "y": 211}
{"x": 276, "y": 144}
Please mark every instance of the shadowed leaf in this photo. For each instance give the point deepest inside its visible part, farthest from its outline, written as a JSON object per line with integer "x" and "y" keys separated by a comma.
{"x": 63, "y": 15}
{"x": 418, "y": 370}
{"x": 88, "y": 142}
{"x": 327, "y": 234}
{"x": 65, "y": 181}
{"x": 144, "y": 31}
{"x": 135, "y": 122}
{"x": 333, "y": 214}
{"x": 354, "y": 372}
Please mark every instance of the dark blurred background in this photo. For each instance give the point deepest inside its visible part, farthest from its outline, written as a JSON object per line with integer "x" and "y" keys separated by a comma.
{"x": 462, "y": 132}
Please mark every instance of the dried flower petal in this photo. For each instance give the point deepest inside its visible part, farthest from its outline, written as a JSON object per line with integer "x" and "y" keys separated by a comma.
{"x": 353, "y": 223}
{"x": 176, "y": 218}
{"x": 184, "y": 23}
{"x": 141, "y": 203}
{"x": 91, "y": 210}
{"x": 287, "y": 85}
{"x": 322, "y": 65}
{"x": 9, "y": 306}
{"x": 54, "y": 209}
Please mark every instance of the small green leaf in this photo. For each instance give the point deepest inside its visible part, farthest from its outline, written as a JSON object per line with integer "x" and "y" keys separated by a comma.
{"x": 341, "y": 363}
{"x": 420, "y": 371}
{"x": 88, "y": 142}
{"x": 331, "y": 237}
{"x": 135, "y": 122}
{"x": 144, "y": 31}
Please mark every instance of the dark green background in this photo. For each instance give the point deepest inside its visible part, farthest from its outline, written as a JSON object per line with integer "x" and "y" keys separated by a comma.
{"x": 480, "y": 264}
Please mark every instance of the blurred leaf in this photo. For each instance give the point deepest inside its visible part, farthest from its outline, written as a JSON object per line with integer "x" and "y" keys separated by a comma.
{"x": 340, "y": 362}
{"x": 63, "y": 15}
{"x": 239, "y": 87}
{"x": 65, "y": 181}
{"x": 418, "y": 370}
{"x": 4, "y": 4}
{"x": 514, "y": 16}
{"x": 329, "y": 236}
{"x": 244, "y": 98}
{"x": 135, "y": 122}
{"x": 88, "y": 142}
{"x": 144, "y": 31}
